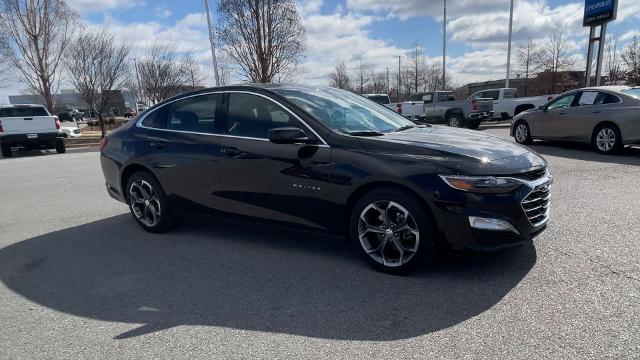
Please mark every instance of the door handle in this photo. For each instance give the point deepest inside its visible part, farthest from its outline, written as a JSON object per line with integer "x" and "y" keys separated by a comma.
{"x": 230, "y": 151}
{"x": 597, "y": 112}
{"x": 158, "y": 144}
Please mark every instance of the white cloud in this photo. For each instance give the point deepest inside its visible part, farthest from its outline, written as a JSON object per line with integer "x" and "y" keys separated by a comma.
{"x": 101, "y": 5}
{"x": 432, "y": 8}
{"x": 630, "y": 35}
{"x": 163, "y": 12}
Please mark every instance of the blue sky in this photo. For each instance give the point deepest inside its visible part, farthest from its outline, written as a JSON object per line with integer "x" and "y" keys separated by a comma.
{"x": 373, "y": 32}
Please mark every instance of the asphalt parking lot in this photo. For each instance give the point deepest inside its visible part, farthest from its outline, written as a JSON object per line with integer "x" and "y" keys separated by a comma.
{"x": 79, "y": 279}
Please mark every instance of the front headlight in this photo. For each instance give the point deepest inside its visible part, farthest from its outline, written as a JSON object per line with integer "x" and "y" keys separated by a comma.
{"x": 481, "y": 184}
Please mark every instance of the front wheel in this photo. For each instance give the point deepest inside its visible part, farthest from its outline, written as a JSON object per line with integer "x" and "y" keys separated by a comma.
{"x": 607, "y": 139}
{"x": 148, "y": 203}
{"x": 392, "y": 231}
{"x": 522, "y": 133}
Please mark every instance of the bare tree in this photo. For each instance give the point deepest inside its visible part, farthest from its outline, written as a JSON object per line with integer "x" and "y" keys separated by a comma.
{"x": 98, "y": 67}
{"x": 264, "y": 37}
{"x": 378, "y": 82}
{"x": 556, "y": 55}
{"x": 339, "y": 77}
{"x": 36, "y": 36}
{"x": 527, "y": 60}
{"x": 163, "y": 73}
{"x": 631, "y": 60}
{"x": 614, "y": 69}
{"x": 225, "y": 71}
{"x": 195, "y": 76}
{"x": 361, "y": 77}
{"x": 415, "y": 68}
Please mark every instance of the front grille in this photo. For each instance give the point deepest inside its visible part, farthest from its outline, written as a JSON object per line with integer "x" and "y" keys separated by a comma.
{"x": 530, "y": 175}
{"x": 536, "y": 204}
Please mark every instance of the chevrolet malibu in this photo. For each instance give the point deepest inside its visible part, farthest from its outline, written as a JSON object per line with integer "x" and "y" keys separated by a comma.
{"x": 327, "y": 160}
{"x": 608, "y": 117}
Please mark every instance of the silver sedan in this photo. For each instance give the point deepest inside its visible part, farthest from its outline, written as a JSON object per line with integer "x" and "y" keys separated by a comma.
{"x": 608, "y": 117}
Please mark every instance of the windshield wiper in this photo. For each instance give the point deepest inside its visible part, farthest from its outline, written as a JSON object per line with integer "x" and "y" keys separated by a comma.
{"x": 403, "y": 128}
{"x": 365, "y": 133}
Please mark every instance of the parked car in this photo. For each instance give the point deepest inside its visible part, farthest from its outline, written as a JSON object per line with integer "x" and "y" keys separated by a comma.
{"x": 327, "y": 160}
{"x": 68, "y": 132}
{"x": 381, "y": 99}
{"x": 29, "y": 127}
{"x": 608, "y": 117}
{"x": 70, "y": 115}
{"x": 507, "y": 103}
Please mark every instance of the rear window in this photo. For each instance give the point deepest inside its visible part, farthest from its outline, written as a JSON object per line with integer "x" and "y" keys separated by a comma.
{"x": 380, "y": 99}
{"x": 26, "y": 111}
{"x": 635, "y": 92}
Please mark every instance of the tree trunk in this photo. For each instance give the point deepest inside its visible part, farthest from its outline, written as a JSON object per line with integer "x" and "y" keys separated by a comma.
{"x": 103, "y": 130}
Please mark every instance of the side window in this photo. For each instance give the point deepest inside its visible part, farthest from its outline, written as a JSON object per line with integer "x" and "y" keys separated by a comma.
{"x": 195, "y": 114}
{"x": 253, "y": 116}
{"x": 587, "y": 98}
{"x": 562, "y": 102}
{"x": 493, "y": 94}
{"x": 155, "y": 119}
{"x": 428, "y": 98}
{"x": 510, "y": 94}
{"x": 606, "y": 98}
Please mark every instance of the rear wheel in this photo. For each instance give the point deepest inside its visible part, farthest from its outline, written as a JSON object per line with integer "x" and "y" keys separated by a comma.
{"x": 60, "y": 147}
{"x": 474, "y": 123}
{"x": 148, "y": 203}
{"x": 522, "y": 133}
{"x": 392, "y": 231}
{"x": 607, "y": 139}
{"x": 454, "y": 120}
{"x": 6, "y": 150}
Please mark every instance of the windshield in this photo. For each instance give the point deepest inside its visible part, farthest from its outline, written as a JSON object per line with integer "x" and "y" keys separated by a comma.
{"x": 344, "y": 111}
{"x": 635, "y": 92}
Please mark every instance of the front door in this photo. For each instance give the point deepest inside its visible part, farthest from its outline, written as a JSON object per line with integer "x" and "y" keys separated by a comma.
{"x": 282, "y": 182}
{"x": 550, "y": 124}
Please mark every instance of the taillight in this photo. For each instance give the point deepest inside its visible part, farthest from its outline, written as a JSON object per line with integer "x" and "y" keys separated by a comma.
{"x": 474, "y": 102}
{"x": 103, "y": 143}
{"x": 58, "y": 126}
{"x": 399, "y": 108}
{"x": 1, "y": 128}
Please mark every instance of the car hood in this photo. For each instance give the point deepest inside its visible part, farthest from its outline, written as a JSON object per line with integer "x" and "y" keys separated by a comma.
{"x": 451, "y": 146}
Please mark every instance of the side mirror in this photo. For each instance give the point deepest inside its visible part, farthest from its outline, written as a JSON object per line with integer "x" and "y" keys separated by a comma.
{"x": 543, "y": 108}
{"x": 289, "y": 135}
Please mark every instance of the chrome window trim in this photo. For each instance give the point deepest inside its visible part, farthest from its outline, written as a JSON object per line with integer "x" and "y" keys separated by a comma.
{"x": 139, "y": 121}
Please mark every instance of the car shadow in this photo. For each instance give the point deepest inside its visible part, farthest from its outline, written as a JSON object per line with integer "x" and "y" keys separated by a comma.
{"x": 240, "y": 275}
{"x": 579, "y": 151}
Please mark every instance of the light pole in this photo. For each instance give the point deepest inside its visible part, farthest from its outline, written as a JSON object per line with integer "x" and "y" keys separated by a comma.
{"x": 509, "y": 47}
{"x": 213, "y": 45}
{"x": 444, "y": 47}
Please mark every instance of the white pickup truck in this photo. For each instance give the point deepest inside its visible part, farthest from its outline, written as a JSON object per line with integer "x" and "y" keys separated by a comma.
{"x": 507, "y": 103}
{"x": 30, "y": 127}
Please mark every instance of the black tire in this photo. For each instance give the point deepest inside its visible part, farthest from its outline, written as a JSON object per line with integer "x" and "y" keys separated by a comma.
{"x": 419, "y": 219}
{"x": 524, "y": 127}
{"x": 6, "y": 150}
{"x": 60, "y": 147}
{"x": 454, "y": 120}
{"x": 167, "y": 218}
{"x": 473, "y": 123}
{"x": 611, "y": 147}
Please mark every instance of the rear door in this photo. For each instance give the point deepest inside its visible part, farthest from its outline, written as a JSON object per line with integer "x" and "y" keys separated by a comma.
{"x": 551, "y": 124}
{"x": 181, "y": 146}
{"x": 282, "y": 182}
{"x": 587, "y": 113}
{"x": 27, "y": 119}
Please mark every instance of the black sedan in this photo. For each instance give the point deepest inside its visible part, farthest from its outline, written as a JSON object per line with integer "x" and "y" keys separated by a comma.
{"x": 331, "y": 161}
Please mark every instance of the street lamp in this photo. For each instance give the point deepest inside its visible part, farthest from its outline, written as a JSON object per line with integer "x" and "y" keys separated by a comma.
{"x": 509, "y": 47}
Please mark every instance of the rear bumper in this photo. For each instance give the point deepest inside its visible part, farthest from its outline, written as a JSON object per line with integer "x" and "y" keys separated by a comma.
{"x": 23, "y": 139}
{"x": 481, "y": 115}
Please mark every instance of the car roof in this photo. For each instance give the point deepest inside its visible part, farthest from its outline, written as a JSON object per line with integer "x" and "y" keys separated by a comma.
{"x": 617, "y": 88}
{"x": 375, "y": 95}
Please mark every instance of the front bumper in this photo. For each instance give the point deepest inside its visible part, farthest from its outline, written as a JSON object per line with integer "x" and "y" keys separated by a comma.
{"x": 481, "y": 115}
{"x": 453, "y": 209}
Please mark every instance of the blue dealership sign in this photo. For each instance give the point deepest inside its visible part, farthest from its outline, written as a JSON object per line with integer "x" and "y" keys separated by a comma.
{"x": 597, "y": 12}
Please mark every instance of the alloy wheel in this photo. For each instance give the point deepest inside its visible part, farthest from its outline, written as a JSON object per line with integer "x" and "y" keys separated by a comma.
{"x": 522, "y": 133}
{"x": 144, "y": 203}
{"x": 388, "y": 233}
{"x": 606, "y": 139}
{"x": 454, "y": 121}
